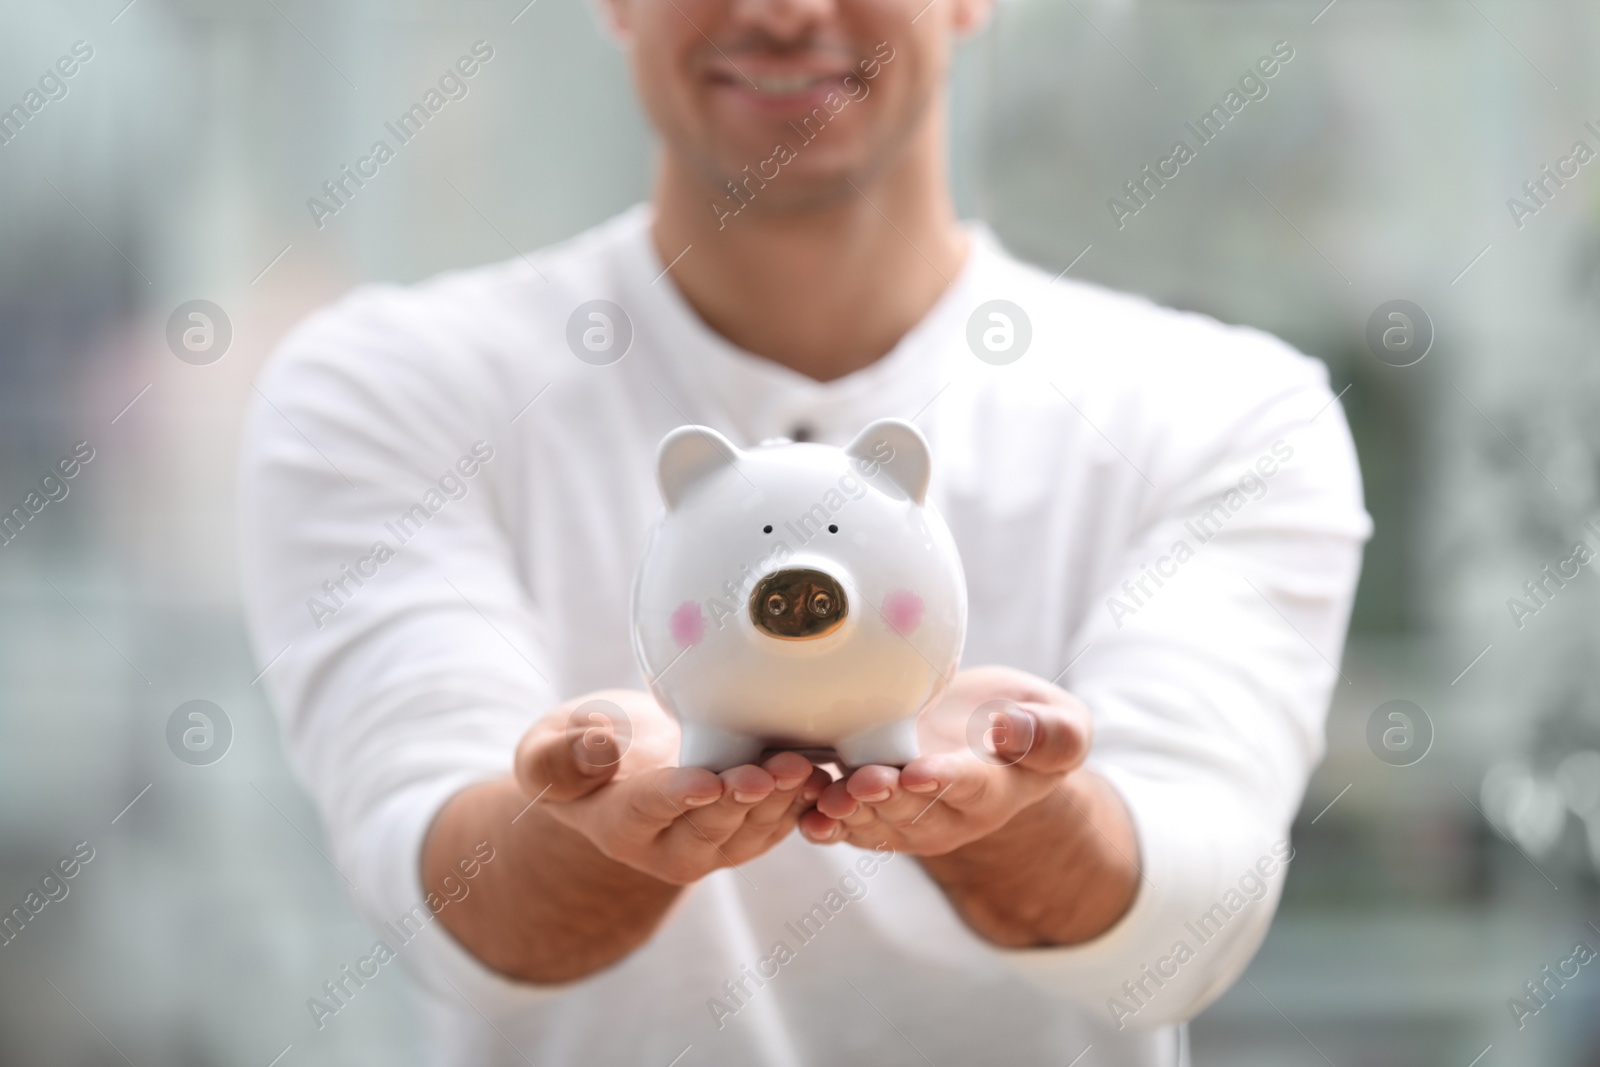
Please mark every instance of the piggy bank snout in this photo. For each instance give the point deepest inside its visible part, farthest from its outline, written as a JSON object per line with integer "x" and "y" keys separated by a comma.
{"x": 798, "y": 604}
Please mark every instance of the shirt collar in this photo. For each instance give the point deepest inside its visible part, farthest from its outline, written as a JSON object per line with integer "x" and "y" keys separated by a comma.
{"x": 752, "y": 398}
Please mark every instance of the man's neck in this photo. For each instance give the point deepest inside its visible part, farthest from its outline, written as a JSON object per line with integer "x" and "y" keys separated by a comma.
{"x": 824, "y": 290}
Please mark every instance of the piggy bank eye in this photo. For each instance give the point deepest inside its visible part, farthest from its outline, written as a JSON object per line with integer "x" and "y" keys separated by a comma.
{"x": 833, "y": 529}
{"x": 767, "y": 528}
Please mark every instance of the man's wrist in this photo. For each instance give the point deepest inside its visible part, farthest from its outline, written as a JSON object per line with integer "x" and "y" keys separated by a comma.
{"x": 556, "y": 908}
{"x": 1061, "y": 871}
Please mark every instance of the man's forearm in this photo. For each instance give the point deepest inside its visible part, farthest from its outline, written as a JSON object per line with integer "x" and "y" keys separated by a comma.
{"x": 551, "y": 908}
{"x": 1060, "y": 872}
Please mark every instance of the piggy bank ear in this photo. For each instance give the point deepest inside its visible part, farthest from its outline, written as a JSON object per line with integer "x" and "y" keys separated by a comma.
{"x": 687, "y": 456}
{"x": 895, "y": 451}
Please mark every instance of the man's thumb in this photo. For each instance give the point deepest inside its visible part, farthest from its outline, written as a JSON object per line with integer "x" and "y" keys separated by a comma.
{"x": 568, "y": 765}
{"x": 1059, "y": 739}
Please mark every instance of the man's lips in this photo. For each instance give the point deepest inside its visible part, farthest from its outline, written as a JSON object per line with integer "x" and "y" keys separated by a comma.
{"x": 774, "y": 77}
{"x": 790, "y": 84}
{"x": 772, "y": 89}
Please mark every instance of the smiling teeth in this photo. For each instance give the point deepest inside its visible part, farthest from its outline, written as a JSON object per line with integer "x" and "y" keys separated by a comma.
{"x": 784, "y": 84}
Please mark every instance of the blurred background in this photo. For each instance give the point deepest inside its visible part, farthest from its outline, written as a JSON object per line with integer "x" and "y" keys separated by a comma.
{"x": 1444, "y": 857}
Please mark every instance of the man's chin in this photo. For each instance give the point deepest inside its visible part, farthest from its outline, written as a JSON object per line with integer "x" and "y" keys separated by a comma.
{"x": 788, "y": 182}
{"x": 795, "y": 199}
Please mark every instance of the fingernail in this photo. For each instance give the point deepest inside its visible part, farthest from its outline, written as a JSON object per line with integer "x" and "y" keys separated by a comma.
{"x": 923, "y": 787}
{"x": 699, "y": 802}
{"x": 811, "y": 792}
{"x": 744, "y": 797}
{"x": 786, "y": 785}
{"x": 876, "y": 798}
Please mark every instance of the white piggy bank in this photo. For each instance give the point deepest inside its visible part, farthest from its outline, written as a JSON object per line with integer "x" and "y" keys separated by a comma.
{"x": 798, "y": 596}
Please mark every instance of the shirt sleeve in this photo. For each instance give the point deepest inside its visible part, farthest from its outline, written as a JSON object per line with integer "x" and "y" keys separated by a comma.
{"x": 400, "y": 646}
{"x": 1209, "y": 656}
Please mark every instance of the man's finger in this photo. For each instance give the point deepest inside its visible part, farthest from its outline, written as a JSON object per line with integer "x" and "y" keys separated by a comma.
{"x": 791, "y": 772}
{"x": 903, "y": 807}
{"x": 971, "y": 788}
{"x": 562, "y": 767}
{"x": 653, "y": 801}
{"x": 836, "y": 801}
{"x": 1056, "y": 742}
{"x": 743, "y": 789}
{"x": 819, "y": 828}
{"x": 882, "y": 795}
{"x": 873, "y": 783}
{"x": 928, "y": 776}
{"x": 789, "y": 769}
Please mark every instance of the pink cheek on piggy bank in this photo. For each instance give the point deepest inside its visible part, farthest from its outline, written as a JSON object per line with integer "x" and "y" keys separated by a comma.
{"x": 686, "y": 624}
{"x": 903, "y": 610}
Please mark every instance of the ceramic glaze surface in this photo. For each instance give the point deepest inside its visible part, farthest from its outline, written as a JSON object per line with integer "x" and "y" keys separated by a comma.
{"x": 798, "y": 595}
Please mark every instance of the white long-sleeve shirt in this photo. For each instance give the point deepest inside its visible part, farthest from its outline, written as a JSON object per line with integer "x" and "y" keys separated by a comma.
{"x": 442, "y": 510}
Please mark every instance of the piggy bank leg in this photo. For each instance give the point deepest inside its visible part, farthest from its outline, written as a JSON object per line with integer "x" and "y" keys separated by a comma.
{"x": 894, "y": 744}
{"x": 714, "y": 749}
